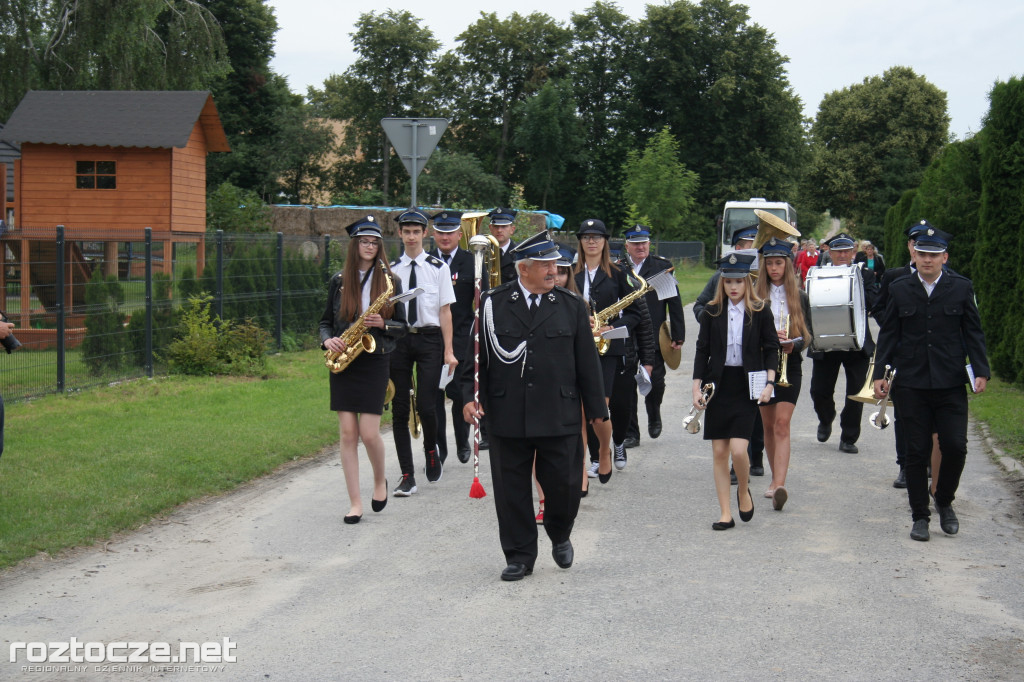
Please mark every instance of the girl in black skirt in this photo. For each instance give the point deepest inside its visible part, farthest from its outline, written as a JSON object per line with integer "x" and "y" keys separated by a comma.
{"x": 357, "y": 392}
{"x": 777, "y": 285}
{"x": 737, "y": 336}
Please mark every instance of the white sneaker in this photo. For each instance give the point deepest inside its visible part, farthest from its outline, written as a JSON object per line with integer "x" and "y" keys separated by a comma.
{"x": 592, "y": 469}
{"x": 620, "y": 457}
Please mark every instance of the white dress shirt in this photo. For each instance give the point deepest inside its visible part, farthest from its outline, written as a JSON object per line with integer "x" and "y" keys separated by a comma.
{"x": 436, "y": 282}
{"x": 929, "y": 288}
{"x": 734, "y": 343}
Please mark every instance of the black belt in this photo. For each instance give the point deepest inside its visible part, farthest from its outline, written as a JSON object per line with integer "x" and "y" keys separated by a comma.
{"x": 424, "y": 330}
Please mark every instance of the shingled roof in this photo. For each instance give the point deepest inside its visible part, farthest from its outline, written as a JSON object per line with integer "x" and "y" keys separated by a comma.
{"x": 116, "y": 118}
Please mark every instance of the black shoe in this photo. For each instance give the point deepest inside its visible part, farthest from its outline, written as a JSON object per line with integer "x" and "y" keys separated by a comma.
{"x": 464, "y": 453}
{"x": 654, "y": 426}
{"x": 732, "y": 477}
{"x": 920, "y": 531}
{"x": 434, "y": 467}
{"x": 631, "y": 442}
{"x": 354, "y": 518}
{"x": 378, "y": 505}
{"x": 563, "y": 554}
{"x": 406, "y": 487}
{"x": 745, "y": 515}
{"x": 947, "y": 519}
{"x": 848, "y": 447}
{"x": 484, "y": 444}
{"x": 604, "y": 478}
{"x": 901, "y": 479}
{"x": 824, "y": 431}
{"x": 756, "y": 471}
{"x": 720, "y": 525}
{"x": 516, "y": 571}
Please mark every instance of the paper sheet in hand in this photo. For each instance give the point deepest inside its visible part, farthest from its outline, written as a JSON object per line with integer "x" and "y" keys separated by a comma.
{"x": 616, "y": 333}
{"x": 643, "y": 381}
{"x": 447, "y": 374}
{"x": 758, "y": 380}
{"x": 970, "y": 378}
{"x": 664, "y": 283}
{"x": 406, "y": 295}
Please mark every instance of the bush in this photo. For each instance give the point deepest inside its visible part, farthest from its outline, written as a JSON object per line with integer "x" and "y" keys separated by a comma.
{"x": 165, "y": 321}
{"x": 104, "y": 341}
{"x": 206, "y": 345}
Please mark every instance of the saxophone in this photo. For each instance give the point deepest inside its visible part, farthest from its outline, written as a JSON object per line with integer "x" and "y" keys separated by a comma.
{"x": 355, "y": 337}
{"x": 602, "y": 318}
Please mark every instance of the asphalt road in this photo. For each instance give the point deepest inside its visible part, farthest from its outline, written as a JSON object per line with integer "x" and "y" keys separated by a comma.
{"x": 830, "y": 588}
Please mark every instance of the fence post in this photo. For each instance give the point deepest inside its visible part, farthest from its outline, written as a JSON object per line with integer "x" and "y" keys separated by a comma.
{"x": 218, "y": 301}
{"x": 148, "y": 357}
{"x": 327, "y": 257}
{"x": 280, "y": 288}
{"x": 61, "y": 321}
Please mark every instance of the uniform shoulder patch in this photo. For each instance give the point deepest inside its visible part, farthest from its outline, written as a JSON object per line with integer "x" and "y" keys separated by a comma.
{"x": 660, "y": 258}
{"x": 436, "y": 262}
{"x": 395, "y": 263}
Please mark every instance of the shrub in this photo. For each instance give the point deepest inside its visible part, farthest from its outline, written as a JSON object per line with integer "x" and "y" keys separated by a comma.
{"x": 165, "y": 321}
{"x": 206, "y": 345}
{"x": 104, "y": 340}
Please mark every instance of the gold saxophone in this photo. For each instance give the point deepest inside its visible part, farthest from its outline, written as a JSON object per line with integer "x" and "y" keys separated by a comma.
{"x": 601, "y": 319}
{"x": 355, "y": 337}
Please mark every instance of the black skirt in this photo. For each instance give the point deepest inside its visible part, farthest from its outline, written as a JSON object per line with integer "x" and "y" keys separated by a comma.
{"x": 360, "y": 388}
{"x": 794, "y": 375}
{"x": 609, "y": 366}
{"x": 731, "y": 412}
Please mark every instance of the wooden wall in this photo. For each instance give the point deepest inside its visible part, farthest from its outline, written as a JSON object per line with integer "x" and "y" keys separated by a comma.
{"x": 188, "y": 178}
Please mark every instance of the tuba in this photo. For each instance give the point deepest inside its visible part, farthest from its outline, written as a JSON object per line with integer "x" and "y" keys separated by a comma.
{"x": 770, "y": 225}
{"x": 356, "y": 338}
{"x": 471, "y": 241}
{"x": 602, "y": 318}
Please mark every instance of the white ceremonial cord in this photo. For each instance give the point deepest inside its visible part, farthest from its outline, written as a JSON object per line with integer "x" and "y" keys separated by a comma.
{"x": 507, "y": 357}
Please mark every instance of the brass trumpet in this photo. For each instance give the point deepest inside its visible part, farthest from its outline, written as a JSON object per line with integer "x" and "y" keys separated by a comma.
{"x": 692, "y": 421}
{"x": 879, "y": 419}
{"x": 783, "y": 358}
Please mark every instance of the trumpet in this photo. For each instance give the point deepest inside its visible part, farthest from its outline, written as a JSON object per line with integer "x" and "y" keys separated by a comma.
{"x": 783, "y": 360}
{"x": 692, "y": 421}
{"x": 415, "y": 428}
{"x": 879, "y": 419}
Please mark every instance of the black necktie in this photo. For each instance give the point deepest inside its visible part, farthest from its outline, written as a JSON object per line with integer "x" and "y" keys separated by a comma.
{"x": 447, "y": 258}
{"x": 534, "y": 302}
{"x": 412, "y": 285}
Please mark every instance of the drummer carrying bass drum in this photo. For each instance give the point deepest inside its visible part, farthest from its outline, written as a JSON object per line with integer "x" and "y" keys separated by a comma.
{"x": 855, "y": 361}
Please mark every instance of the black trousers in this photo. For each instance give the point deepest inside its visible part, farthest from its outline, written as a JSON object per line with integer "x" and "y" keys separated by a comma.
{"x": 924, "y": 412}
{"x": 559, "y": 472}
{"x": 823, "y": 386}
{"x": 622, "y": 404}
{"x": 425, "y": 351}
{"x": 459, "y": 425}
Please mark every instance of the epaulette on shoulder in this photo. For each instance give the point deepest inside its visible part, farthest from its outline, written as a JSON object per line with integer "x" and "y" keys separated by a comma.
{"x": 502, "y": 287}
{"x": 395, "y": 262}
{"x": 436, "y": 262}
{"x": 660, "y": 258}
{"x": 338, "y": 275}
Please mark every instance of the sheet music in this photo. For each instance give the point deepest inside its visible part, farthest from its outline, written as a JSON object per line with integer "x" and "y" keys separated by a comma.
{"x": 970, "y": 377}
{"x": 757, "y": 381}
{"x": 616, "y": 333}
{"x": 664, "y": 283}
{"x": 406, "y": 295}
{"x": 447, "y": 374}
{"x": 643, "y": 381}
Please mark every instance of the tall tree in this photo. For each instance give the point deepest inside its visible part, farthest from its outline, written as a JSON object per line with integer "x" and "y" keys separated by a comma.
{"x": 497, "y": 65}
{"x": 871, "y": 142}
{"x": 659, "y": 186}
{"x": 389, "y": 78}
{"x": 458, "y": 180}
{"x": 549, "y": 138}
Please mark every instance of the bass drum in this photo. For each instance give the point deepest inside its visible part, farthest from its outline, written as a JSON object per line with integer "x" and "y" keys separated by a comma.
{"x": 838, "y": 315}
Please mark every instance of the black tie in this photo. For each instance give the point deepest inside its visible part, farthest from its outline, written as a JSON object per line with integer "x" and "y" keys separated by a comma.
{"x": 447, "y": 258}
{"x": 412, "y": 285}
{"x": 534, "y": 302}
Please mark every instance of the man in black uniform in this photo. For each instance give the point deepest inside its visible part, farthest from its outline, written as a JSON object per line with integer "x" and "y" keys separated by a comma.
{"x": 639, "y": 259}
{"x": 538, "y": 365}
{"x": 931, "y": 328}
{"x": 502, "y": 224}
{"x": 447, "y": 231}
{"x": 855, "y": 362}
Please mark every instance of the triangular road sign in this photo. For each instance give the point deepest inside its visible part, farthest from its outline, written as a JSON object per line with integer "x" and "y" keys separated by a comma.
{"x": 414, "y": 139}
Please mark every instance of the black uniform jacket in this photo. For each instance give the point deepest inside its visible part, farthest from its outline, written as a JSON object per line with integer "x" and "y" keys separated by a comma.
{"x": 386, "y": 338}
{"x": 878, "y": 309}
{"x": 929, "y": 338}
{"x": 760, "y": 343}
{"x": 461, "y": 269}
{"x": 670, "y": 308}
{"x": 508, "y": 266}
{"x": 539, "y": 395}
{"x": 604, "y": 292}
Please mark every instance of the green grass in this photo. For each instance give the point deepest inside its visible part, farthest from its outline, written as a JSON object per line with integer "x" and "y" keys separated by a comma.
{"x": 82, "y": 467}
{"x": 1001, "y": 406}
{"x": 692, "y": 279}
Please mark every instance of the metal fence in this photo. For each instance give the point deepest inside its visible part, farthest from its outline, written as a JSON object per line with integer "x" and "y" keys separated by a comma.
{"x": 101, "y": 319}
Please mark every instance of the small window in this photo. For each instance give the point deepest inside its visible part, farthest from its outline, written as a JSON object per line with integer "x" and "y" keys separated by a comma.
{"x": 96, "y": 174}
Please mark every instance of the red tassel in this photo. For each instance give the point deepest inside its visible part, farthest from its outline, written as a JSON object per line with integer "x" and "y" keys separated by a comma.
{"x": 476, "y": 491}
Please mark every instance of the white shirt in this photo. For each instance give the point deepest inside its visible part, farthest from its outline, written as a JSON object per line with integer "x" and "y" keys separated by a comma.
{"x": 364, "y": 301}
{"x": 587, "y": 279}
{"x": 434, "y": 277}
{"x": 527, "y": 293}
{"x": 929, "y": 288}
{"x": 777, "y": 295}
{"x": 734, "y": 342}
{"x": 448, "y": 258}
{"x": 637, "y": 266}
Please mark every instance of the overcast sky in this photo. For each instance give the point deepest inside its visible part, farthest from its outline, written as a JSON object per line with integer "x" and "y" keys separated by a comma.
{"x": 961, "y": 47}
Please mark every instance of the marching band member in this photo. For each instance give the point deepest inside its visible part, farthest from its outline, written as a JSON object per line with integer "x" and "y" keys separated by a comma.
{"x": 825, "y": 372}
{"x": 737, "y": 336}
{"x": 428, "y": 346}
{"x": 778, "y": 285}
{"x": 357, "y": 392}
{"x": 502, "y": 225}
{"x": 931, "y": 323}
{"x": 602, "y": 284}
{"x": 538, "y": 366}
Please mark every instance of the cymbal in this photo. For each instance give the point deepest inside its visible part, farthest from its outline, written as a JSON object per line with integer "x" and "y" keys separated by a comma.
{"x": 672, "y": 355}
